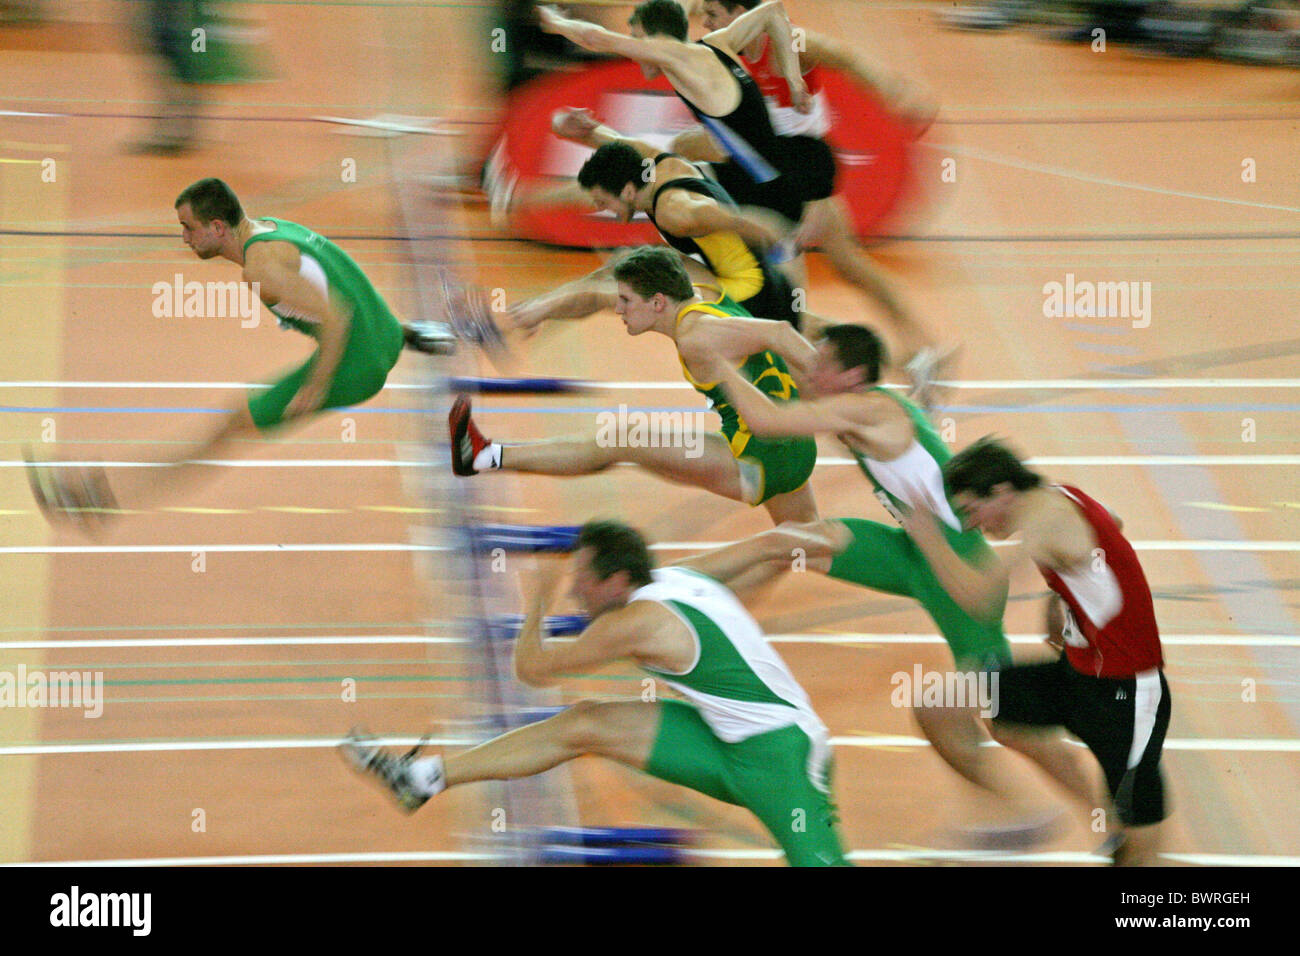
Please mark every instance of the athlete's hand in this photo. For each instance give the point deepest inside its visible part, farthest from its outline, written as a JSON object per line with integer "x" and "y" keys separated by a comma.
{"x": 799, "y": 96}
{"x": 527, "y": 316}
{"x": 551, "y": 20}
{"x": 920, "y": 523}
{"x": 574, "y": 123}
{"x": 311, "y": 394}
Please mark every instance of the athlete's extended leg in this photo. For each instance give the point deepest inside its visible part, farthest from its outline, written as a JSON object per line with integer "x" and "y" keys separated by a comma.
{"x": 797, "y": 506}
{"x": 702, "y": 460}
{"x": 622, "y": 730}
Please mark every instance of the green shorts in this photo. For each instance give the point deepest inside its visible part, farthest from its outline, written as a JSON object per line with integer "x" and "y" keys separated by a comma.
{"x": 375, "y": 342}
{"x": 767, "y": 775}
{"x": 886, "y": 559}
{"x": 775, "y": 466}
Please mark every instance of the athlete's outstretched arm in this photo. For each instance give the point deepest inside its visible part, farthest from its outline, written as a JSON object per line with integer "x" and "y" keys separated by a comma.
{"x": 774, "y": 547}
{"x": 767, "y": 418}
{"x": 267, "y": 268}
{"x": 980, "y": 589}
{"x": 540, "y": 662}
{"x": 591, "y": 36}
{"x": 690, "y": 214}
{"x": 573, "y": 300}
{"x": 581, "y": 126}
{"x": 769, "y": 18}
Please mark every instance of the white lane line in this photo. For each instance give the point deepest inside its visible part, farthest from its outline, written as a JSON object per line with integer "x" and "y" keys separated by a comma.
{"x": 848, "y": 638}
{"x": 883, "y": 741}
{"x": 675, "y": 385}
{"x": 1197, "y": 545}
{"x": 975, "y": 152}
{"x": 1145, "y": 461}
{"x": 1169, "y": 640}
{"x": 455, "y": 856}
{"x": 231, "y": 642}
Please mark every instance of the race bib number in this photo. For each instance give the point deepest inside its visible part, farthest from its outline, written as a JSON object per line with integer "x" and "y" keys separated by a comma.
{"x": 883, "y": 497}
{"x": 1070, "y": 631}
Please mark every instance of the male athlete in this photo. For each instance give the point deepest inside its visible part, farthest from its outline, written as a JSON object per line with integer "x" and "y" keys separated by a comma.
{"x": 902, "y": 456}
{"x": 694, "y": 215}
{"x": 1108, "y": 688}
{"x": 792, "y": 175}
{"x": 313, "y": 287}
{"x": 655, "y": 295}
{"x": 746, "y": 733}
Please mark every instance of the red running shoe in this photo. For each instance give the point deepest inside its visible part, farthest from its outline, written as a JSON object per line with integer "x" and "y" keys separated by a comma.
{"x": 466, "y": 440}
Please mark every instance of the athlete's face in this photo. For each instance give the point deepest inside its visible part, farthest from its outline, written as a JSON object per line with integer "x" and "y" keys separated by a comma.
{"x": 828, "y": 376}
{"x": 203, "y": 238}
{"x": 593, "y": 595}
{"x": 638, "y": 314}
{"x": 621, "y": 205}
{"x": 648, "y": 71}
{"x": 990, "y": 515}
{"x": 716, "y": 16}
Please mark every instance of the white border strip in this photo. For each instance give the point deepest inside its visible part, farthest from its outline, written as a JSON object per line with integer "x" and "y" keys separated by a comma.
{"x": 230, "y": 642}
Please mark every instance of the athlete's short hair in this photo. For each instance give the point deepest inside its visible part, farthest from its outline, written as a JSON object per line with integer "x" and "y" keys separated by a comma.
{"x": 612, "y": 167}
{"x": 857, "y": 345}
{"x": 653, "y": 269}
{"x": 661, "y": 17}
{"x": 983, "y": 465}
{"x": 617, "y": 547}
{"x": 212, "y": 199}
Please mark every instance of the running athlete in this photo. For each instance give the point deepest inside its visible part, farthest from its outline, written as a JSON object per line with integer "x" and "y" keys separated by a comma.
{"x": 902, "y": 456}
{"x": 792, "y": 175}
{"x": 655, "y": 295}
{"x": 826, "y": 222}
{"x": 694, "y": 215}
{"x": 746, "y": 733}
{"x": 313, "y": 287}
{"x": 1108, "y": 688}
{"x": 777, "y": 172}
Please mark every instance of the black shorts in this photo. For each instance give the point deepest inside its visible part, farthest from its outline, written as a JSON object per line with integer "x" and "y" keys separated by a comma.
{"x": 1121, "y": 720}
{"x": 775, "y": 300}
{"x": 807, "y": 173}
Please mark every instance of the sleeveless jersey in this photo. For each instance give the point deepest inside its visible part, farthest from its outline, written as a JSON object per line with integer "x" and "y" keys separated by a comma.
{"x": 325, "y": 266}
{"x": 725, "y": 253}
{"x": 740, "y": 684}
{"x": 746, "y": 132}
{"x": 1110, "y": 621}
{"x": 915, "y": 478}
{"x": 766, "y": 370}
{"x": 786, "y": 120}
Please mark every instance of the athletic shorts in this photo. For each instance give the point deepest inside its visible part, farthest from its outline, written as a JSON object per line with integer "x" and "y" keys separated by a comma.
{"x": 886, "y": 559}
{"x": 768, "y": 775}
{"x": 775, "y": 466}
{"x": 1122, "y": 721}
{"x": 375, "y": 342}
{"x": 775, "y": 300}
{"x": 807, "y": 173}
